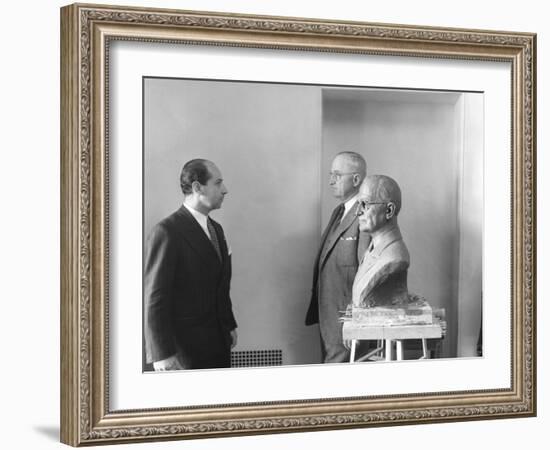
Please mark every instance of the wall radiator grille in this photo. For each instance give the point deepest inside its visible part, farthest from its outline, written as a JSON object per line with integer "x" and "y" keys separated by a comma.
{"x": 257, "y": 358}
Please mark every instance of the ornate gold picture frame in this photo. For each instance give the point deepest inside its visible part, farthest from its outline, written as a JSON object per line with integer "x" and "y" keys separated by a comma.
{"x": 87, "y": 32}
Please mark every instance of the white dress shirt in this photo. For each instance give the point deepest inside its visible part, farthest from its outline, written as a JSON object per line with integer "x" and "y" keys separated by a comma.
{"x": 203, "y": 222}
{"x": 200, "y": 218}
{"x": 349, "y": 205}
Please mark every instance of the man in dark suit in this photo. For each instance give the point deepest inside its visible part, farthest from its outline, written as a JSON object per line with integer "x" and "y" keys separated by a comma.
{"x": 188, "y": 316}
{"x": 381, "y": 279}
{"x": 342, "y": 248}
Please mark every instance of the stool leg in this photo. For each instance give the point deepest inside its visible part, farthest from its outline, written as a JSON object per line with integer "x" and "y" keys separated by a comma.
{"x": 399, "y": 348}
{"x": 389, "y": 349}
{"x": 352, "y": 353}
{"x": 425, "y": 349}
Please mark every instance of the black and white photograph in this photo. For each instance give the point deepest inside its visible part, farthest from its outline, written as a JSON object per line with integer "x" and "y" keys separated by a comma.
{"x": 297, "y": 224}
{"x": 275, "y": 225}
{"x": 279, "y": 224}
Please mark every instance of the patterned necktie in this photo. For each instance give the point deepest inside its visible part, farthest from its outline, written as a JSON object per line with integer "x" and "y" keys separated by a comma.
{"x": 333, "y": 224}
{"x": 214, "y": 238}
{"x": 338, "y": 217}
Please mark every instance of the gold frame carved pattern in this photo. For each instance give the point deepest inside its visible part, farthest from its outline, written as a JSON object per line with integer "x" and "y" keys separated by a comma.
{"x": 86, "y": 31}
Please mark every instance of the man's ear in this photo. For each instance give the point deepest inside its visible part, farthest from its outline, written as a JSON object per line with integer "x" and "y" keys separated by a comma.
{"x": 390, "y": 210}
{"x": 196, "y": 186}
{"x": 357, "y": 180}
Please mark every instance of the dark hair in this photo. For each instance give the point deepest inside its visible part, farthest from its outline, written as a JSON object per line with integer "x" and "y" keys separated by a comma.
{"x": 194, "y": 170}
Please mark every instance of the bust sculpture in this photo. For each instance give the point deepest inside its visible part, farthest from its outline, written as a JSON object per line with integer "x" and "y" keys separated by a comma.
{"x": 381, "y": 278}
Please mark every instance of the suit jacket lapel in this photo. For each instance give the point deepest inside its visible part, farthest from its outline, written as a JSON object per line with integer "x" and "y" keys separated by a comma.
{"x": 324, "y": 238}
{"x": 368, "y": 261}
{"x": 197, "y": 239}
{"x": 347, "y": 221}
{"x": 372, "y": 257}
{"x": 221, "y": 242}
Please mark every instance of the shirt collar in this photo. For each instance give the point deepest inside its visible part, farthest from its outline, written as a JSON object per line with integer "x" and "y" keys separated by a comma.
{"x": 381, "y": 241}
{"x": 199, "y": 217}
{"x": 349, "y": 204}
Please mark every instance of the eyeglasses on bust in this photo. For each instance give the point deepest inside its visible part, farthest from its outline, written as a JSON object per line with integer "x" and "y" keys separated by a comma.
{"x": 364, "y": 205}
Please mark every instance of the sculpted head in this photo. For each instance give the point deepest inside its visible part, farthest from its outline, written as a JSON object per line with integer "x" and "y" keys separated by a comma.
{"x": 379, "y": 203}
{"x": 347, "y": 172}
{"x": 202, "y": 184}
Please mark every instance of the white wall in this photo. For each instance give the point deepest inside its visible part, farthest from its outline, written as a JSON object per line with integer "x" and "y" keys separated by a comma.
{"x": 265, "y": 138}
{"x": 470, "y": 201}
{"x": 417, "y": 138}
{"x": 29, "y": 237}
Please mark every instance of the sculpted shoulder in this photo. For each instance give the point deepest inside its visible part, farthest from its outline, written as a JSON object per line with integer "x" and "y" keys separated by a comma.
{"x": 397, "y": 251}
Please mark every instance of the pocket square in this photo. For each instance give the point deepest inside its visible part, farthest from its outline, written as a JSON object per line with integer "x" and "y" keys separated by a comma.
{"x": 349, "y": 238}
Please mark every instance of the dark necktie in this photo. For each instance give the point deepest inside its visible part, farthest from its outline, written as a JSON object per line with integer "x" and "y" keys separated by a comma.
{"x": 214, "y": 238}
{"x": 335, "y": 219}
{"x": 339, "y": 213}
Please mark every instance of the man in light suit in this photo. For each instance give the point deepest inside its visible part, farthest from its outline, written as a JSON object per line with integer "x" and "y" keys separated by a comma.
{"x": 188, "y": 316}
{"x": 341, "y": 250}
{"x": 381, "y": 279}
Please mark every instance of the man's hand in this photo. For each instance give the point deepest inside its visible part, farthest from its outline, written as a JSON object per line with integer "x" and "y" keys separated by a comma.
{"x": 170, "y": 363}
{"x": 233, "y": 334}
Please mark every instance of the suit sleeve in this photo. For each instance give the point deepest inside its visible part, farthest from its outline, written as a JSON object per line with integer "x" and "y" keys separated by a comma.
{"x": 228, "y": 317}
{"x": 159, "y": 273}
{"x": 231, "y": 323}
